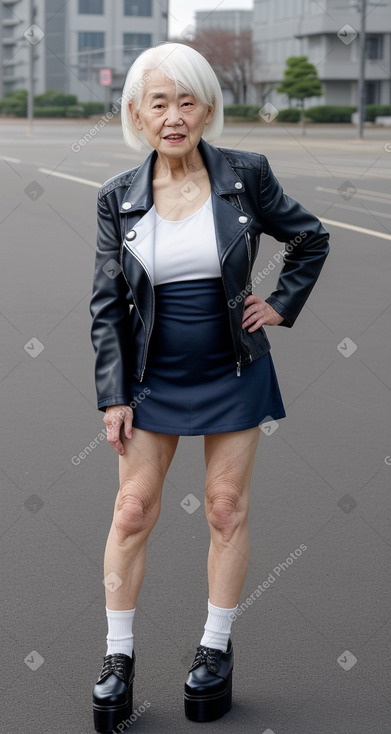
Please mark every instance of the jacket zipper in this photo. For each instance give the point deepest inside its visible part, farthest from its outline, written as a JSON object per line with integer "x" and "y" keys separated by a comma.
{"x": 153, "y": 311}
{"x": 239, "y": 363}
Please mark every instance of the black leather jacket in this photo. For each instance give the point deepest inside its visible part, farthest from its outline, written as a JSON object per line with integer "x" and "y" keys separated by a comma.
{"x": 247, "y": 200}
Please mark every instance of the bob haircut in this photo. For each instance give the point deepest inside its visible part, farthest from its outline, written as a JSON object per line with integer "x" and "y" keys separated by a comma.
{"x": 190, "y": 71}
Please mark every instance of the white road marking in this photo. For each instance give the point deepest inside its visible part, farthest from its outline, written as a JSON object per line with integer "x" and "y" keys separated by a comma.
{"x": 95, "y": 164}
{"x": 10, "y": 160}
{"x": 354, "y": 228}
{"x": 68, "y": 177}
{"x": 360, "y": 194}
{"x": 342, "y": 225}
{"x": 352, "y": 208}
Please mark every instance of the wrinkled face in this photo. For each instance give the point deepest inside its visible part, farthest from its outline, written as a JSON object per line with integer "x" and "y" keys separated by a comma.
{"x": 172, "y": 123}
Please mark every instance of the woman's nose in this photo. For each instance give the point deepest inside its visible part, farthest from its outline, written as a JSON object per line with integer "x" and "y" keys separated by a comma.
{"x": 173, "y": 117}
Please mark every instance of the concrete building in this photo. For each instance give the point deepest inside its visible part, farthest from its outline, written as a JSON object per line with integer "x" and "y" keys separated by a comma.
{"x": 234, "y": 21}
{"x": 228, "y": 20}
{"x": 81, "y": 37}
{"x": 326, "y": 33}
{"x": 15, "y": 48}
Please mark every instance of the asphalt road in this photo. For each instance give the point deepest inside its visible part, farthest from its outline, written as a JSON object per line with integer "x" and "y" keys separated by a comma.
{"x": 312, "y": 652}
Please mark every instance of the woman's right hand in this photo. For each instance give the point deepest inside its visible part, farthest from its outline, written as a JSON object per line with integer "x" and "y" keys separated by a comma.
{"x": 114, "y": 418}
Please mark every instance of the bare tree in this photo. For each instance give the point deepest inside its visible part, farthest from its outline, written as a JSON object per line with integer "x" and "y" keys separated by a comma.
{"x": 230, "y": 55}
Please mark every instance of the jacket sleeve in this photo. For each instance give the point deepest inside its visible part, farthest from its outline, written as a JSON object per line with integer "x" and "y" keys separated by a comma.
{"x": 307, "y": 245}
{"x": 110, "y": 331}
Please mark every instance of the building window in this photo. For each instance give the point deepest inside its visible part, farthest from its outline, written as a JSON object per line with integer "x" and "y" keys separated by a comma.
{"x": 8, "y": 53}
{"x": 138, "y": 7}
{"x": 8, "y": 13}
{"x": 134, "y": 44}
{"x": 372, "y": 92}
{"x": 91, "y": 53}
{"x": 90, "y": 7}
{"x": 374, "y": 47}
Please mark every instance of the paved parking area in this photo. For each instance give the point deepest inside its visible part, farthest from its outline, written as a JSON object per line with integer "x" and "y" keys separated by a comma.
{"x": 312, "y": 650}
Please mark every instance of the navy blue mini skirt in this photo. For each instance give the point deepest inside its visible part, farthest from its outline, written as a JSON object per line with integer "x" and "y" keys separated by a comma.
{"x": 190, "y": 384}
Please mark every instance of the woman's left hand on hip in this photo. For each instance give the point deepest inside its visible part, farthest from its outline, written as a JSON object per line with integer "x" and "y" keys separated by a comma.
{"x": 258, "y": 313}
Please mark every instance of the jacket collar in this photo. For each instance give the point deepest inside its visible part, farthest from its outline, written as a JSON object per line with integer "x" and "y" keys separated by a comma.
{"x": 223, "y": 179}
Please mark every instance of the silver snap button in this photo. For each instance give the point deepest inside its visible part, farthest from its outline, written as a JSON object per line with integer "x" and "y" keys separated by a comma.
{"x": 126, "y": 205}
{"x": 130, "y": 235}
{"x": 243, "y": 220}
{"x": 238, "y": 185}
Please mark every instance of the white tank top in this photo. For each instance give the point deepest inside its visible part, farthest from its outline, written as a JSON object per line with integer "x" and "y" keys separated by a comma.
{"x": 184, "y": 249}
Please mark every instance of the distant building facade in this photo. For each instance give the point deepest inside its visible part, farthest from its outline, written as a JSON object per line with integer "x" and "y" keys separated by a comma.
{"x": 81, "y": 37}
{"x": 234, "y": 21}
{"x": 284, "y": 28}
{"x": 228, "y": 20}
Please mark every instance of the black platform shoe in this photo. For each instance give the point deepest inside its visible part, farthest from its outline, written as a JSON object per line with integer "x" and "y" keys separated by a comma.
{"x": 113, "y": 692}
{"x": 208, "y": 688}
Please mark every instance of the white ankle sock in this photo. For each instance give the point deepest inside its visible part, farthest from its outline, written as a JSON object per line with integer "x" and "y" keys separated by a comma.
{"x": 120, "y": 636}
{"x": 218, "y": 627}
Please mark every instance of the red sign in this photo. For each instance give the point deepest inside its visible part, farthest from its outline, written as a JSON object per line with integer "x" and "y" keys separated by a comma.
{"x": 105, "y": 77}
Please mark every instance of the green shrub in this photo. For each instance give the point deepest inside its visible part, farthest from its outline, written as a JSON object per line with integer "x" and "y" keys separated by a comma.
{"x": 15, "y": 104}
{"x": 55, "y": 99}
{"x": 291, "y": 114}
{"x": 93, "y": 108}
{"x": 235, "y": 110}
{"x": 242, "y": 111}
{"x": 49, "y": 111}
{"x": 330, "y": 113}
{"x": 76, "y": 110}
{"x": 252, "y": 112}
{"x": 376, "y": 110}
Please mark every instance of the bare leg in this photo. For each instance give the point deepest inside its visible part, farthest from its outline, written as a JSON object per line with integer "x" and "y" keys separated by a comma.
{"x": 229, "y": 461}
{"x": 142, "y": 470}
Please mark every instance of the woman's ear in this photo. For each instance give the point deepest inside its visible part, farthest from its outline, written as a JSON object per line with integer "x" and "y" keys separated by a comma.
{"x": 135, "y": 116}
{"x": 209, "y": 116}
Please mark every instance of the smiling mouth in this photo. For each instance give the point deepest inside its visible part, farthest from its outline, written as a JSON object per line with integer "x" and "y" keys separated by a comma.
{"x": 174, "y": 136}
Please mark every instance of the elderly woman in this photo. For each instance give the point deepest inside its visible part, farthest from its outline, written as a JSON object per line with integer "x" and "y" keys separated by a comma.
{"x": 181, "y": 347}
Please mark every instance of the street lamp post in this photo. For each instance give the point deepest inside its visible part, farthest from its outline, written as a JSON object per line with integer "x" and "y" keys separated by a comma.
{"x": 361, "y": 84}
{"x": 30, "y": 92}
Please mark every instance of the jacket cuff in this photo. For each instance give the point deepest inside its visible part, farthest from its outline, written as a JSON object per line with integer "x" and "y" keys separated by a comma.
{"x": 287, "y": 315}
{"x": 112, "y": 400}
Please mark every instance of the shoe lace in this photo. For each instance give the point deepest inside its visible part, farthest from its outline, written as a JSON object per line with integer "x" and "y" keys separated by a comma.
{"x": 208, "y": 656}
{"x": 114, "y": 664}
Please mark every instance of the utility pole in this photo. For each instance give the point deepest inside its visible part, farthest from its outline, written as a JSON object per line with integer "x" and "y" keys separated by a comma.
{"x": 1, "y": 51}
{"x": 30, "y": 92}
{"x": 361, "y": 83}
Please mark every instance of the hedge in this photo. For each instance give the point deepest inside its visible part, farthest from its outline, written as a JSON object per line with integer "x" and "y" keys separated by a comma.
{"x": 291, "y": 114}
{"x": 55, "y": 99}
{"x": 244, "y": 111}
{"x": 93, "y": 108}
{"x": 49, "y": 111}
{"x": 50, "y": 104}
{"x": 330, "y": 113}
{"x": 15, "y": 104}
{"x": 376, "y": 110}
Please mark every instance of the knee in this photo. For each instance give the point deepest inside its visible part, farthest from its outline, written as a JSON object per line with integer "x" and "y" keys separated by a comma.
{"x": 223, "y": 509}
{"x": 134, "y": 510}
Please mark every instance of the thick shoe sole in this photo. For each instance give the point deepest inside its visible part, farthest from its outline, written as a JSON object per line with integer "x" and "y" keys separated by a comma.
{"x": 209, "y": 708}
{"x": 107, "y": 718}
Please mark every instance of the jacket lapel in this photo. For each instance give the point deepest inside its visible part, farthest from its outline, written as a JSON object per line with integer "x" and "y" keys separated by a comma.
{"x": 231, "y": 222}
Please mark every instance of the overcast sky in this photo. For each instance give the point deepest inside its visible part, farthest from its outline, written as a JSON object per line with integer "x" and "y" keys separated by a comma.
{"x": 181, "y": 13}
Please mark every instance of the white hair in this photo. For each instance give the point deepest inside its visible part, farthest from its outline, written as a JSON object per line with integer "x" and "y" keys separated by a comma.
{"x": 188, "y": 69}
